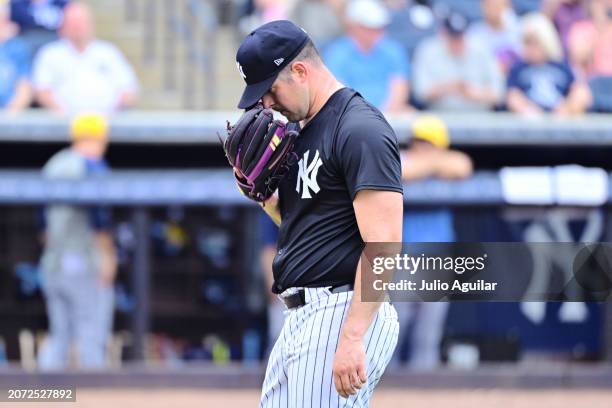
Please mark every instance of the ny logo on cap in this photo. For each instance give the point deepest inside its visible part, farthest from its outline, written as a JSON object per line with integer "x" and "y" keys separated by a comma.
{"x": 278, "y": 61}
{"x": 240, "y": 70}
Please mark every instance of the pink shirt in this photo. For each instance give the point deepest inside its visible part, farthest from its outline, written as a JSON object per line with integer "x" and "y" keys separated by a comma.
{"x": 585, "y": 32}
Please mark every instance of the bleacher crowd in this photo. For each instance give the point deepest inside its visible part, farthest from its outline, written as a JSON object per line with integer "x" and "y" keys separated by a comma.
{"x": 527, "y": 56}
{"x": 51, "y": 58}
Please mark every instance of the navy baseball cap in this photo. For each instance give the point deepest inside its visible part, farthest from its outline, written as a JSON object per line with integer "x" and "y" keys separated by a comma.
{"x": 264, "y": 53}
{"x": 456, "y": 24}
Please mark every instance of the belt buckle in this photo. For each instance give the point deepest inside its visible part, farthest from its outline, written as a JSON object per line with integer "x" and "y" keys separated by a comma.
{"x": 296, "y": 297}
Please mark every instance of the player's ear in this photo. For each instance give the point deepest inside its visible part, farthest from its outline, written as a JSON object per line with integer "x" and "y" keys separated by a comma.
{"x": 299, "y": 70}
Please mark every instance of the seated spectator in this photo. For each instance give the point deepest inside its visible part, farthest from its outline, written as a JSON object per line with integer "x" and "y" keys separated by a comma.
{"x": 15, "y": 91}
{"x": 80, "y": 73}
{"x": 590, "y": 42}
{"x": 411, "y": 22}
{"x": 367, "y": 61}
{"x": 38, "y": 20}
{"x": 542, "y": 82}
{"x": 564, "y": 13}
{"x": 452, "y": 72}
{"x": 263, "y": 11}
{"x": 499, "y": 32}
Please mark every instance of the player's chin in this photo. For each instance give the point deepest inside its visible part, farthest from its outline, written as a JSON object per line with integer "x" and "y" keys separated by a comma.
{"x": 292, "y": 117}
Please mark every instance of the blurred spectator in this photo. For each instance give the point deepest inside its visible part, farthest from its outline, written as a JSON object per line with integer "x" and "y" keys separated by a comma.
{"x": 542, "y": 82}
{"x": 590, "y": 42}
{"x": 15, "y": 91}
{"x": 79, "y": 262}
{"x": 428, "y": 156}
{"x": 499, "y": 32}
{"x": 411, "y": 22}
{"x": 38, "y": 20}
{"x": 80, "y": 73}
{"x": 564, "y": 13}
{"x": 263, "y": 11}
{"x": 320, "y": 18}
{"x": 453, "y": 72}
{"x": 368, "y": 61}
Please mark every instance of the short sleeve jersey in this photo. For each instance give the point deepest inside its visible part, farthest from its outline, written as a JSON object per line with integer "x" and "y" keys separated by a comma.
{"x": 545, "y": 84}
{"x": 347, "y": 147}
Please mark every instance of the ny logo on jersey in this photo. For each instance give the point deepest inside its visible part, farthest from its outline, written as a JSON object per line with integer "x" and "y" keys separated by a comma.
{"x": 307, "y": 174}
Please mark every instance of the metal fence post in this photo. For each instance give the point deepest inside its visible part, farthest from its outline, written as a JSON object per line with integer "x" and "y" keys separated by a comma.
{"x": 141, "y": 283}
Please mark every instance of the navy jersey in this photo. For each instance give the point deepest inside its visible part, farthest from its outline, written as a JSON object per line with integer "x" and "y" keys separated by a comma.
{"x": 347, "y": 147}
{"x": 544, "y": 84}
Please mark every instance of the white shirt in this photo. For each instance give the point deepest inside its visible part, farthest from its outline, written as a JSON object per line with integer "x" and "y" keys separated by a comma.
{"x": 92, "y": 80}
{"x": 433, "y": 64}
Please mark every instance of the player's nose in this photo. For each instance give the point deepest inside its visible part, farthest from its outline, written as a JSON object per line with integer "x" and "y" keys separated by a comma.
{"x": 267, "y": 101}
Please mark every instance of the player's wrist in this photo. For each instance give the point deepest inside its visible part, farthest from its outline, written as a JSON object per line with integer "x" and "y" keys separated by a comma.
{"x": 352, "y": 334}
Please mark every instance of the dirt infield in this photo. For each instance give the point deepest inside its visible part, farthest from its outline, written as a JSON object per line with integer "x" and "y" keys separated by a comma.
{"x": 386, "y": 397}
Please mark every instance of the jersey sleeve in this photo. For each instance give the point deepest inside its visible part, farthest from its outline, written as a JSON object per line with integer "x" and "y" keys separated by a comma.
{"x": 368, "y": 155}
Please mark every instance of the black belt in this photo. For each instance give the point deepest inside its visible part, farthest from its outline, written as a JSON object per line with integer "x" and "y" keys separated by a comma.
{"x": 298, "y": 299}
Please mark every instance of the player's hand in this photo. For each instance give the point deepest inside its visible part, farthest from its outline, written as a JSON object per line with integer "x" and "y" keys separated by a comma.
{"x": 349, "y": 369}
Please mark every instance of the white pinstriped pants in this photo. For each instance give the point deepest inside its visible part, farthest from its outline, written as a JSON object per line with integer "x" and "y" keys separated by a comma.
{"x": 299, "y": 372}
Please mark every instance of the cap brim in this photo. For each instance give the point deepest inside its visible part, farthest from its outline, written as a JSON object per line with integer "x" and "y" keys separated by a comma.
{"x": 254, "y": 92}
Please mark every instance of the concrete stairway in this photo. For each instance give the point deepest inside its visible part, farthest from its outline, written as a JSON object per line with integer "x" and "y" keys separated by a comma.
{"x": 169, "y": 79}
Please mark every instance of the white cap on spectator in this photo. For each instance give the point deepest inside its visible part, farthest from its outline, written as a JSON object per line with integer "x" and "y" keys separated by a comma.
{"x": 368, "y": 13}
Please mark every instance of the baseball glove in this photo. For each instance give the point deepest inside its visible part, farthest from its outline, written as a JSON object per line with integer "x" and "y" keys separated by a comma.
{"x": 260, "y": 149}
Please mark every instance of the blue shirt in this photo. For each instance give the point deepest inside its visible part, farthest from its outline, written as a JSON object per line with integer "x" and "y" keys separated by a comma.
{"x": 434, "y": 225}
{"x": 368, "y": 73}
{"x": 545, "y": 84}
{"x": 14, "y": 66}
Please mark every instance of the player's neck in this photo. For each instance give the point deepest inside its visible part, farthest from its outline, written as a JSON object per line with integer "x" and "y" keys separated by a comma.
{"x": 321, "y": 96}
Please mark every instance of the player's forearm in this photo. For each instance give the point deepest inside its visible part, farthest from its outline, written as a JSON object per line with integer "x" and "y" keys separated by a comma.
{"x": 271, "y": 208}
{"x": 360, "y": 314}
{"x": 379, "y": 216}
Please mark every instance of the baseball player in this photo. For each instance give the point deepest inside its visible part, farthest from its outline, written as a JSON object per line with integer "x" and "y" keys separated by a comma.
{"x": 79, "y": 262}
{"x": 341, "y": 189}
